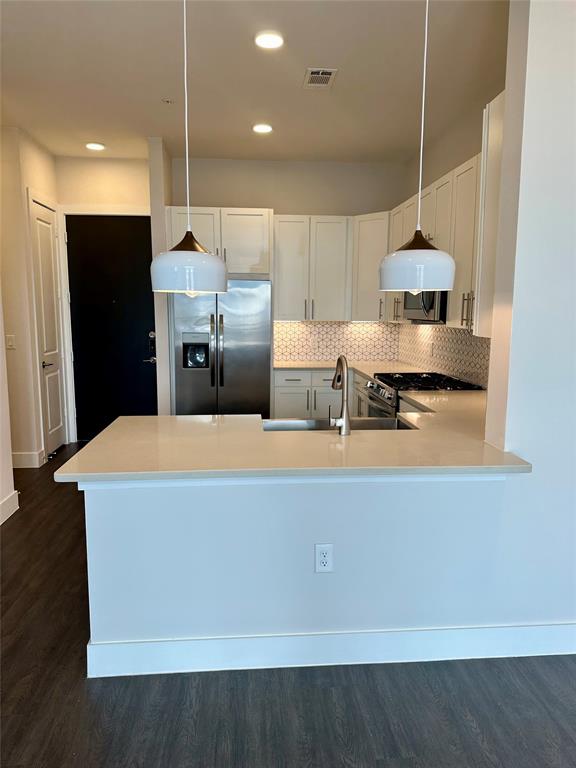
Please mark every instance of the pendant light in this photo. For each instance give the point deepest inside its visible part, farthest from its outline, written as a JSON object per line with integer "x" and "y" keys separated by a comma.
{"x": 418, "y": 266}
{"x": 188, "y": 267}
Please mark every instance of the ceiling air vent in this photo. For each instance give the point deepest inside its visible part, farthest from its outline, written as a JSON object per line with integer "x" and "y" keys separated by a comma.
{"x": 319, "y": 77}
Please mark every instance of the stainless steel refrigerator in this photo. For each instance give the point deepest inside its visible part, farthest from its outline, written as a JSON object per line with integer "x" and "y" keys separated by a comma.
{"x": 221, "y": 350}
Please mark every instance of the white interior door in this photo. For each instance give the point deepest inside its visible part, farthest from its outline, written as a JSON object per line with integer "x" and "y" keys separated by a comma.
{"x": 291, "y": 267}
{"x": 329, "y": 268}
{"x": 46, "y": 294}
{"x": 370, "y": 247}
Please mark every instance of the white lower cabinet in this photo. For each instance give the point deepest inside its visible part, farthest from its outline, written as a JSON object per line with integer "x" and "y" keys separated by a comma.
{"x": 291, "y": 402}
{"x": 325, "y": 401}
{"x": 305, "y": 394}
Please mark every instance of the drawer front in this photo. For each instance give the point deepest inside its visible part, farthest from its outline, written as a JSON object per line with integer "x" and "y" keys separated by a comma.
{"x": 296, "y": 378}
{"x": 322, "y": 378}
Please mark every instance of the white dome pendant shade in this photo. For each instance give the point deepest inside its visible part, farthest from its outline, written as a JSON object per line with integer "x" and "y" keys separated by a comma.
{"x": 188, "y": 267}
{"x": 418, "y": 265}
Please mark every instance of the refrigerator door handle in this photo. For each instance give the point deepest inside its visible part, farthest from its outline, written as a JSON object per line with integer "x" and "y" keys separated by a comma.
{"x": 212, "y": 350}
{"x": 221, "y": 349}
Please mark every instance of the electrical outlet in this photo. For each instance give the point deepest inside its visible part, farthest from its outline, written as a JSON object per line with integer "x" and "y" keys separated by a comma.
{"x": 324, "y": 558}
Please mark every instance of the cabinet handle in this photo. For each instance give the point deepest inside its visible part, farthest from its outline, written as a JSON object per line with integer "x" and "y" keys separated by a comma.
{"x": 315, "y": 406}
{"x": 312, "y": 309}
{"x": 292, "y": 379}
{"x": 307, "y": 399}
{"x": 396, "y": 313}
{"x": 380, "y": 310}
{"x": 225, "y": 259}
{"x": 217, "y": 251}
{"x": 463, "y": 313}
{"x": 305, "y": 309}
{"x": 471, "y": 298}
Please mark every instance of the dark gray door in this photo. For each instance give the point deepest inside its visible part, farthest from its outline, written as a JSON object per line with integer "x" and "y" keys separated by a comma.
{"x": 112, "y": 312}
{"x": 244, "y": 347}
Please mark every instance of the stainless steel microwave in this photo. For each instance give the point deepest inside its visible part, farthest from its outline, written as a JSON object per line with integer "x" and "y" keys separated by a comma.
{"x": 426, "y": 307}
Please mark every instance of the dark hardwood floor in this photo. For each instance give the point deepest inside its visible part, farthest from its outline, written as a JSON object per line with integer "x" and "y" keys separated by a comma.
{"x": 501, "y": 713}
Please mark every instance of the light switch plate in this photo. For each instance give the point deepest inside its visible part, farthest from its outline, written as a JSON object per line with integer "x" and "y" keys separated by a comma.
{"x": 10, "y": 341}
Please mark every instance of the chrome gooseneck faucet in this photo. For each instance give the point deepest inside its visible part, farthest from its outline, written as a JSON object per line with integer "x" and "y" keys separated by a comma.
{"x": 340, "y": 381}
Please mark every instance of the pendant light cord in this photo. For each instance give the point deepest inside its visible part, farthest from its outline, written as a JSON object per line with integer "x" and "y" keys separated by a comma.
{"x": 422, "y": 116}
{"x": 188, "y": 226}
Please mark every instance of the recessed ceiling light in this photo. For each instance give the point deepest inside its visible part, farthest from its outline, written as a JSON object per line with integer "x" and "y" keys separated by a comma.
{"x": 95, "y": 146}
{"x": 269, "y": 40}
{"x": 262, "y": 128}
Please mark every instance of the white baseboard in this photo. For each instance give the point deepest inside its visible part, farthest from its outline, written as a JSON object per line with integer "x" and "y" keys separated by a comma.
{"x": 377, "y": 647}
{"x": 28, "y": 459}
{"x": 8, "y": 506}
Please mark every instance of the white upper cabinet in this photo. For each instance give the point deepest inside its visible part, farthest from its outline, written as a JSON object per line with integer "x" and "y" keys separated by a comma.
{"x": 205, "y": 224}
{"x": 370, "y": 247}
{"x": 246, "y": 239}
{"x": 409, "y": 219}
{"x": 441, "y": 232}
{"x": 241, "y": 236}
{"x": 330, "y": 271}
{"x": 488, "y": 212}
{"x": 291, "y": 267}
{"x": 464, "y": 205}
{"x": 428, "y": 212}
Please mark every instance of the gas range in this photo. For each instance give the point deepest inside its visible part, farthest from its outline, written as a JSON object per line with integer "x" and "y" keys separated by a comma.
{"x": 423, "y": 382}
{"x": 380, "y": 394}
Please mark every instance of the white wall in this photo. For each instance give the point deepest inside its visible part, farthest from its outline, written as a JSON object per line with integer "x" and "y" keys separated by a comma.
{"x": 8, "y": 496}
{"x": 160, "y": 197}
{"x": 102, "y": 181}
{"x": 25, "y": 166}
{"x": 535, "y": 334}
{"x": 291, "y": 187}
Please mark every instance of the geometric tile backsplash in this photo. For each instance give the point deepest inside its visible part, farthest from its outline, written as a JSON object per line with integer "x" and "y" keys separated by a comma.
{"x": 452, "y": 351}
{"x": 316, "y": 340}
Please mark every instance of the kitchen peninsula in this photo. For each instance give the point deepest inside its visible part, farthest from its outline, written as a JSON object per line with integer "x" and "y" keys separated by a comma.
{"x": 201, "y": 533}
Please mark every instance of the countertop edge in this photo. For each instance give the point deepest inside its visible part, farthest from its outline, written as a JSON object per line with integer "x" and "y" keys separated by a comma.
{"x": 319, "y": 472}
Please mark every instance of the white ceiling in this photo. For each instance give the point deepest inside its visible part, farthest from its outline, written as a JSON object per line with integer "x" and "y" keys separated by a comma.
{"x": 97, "y": 70}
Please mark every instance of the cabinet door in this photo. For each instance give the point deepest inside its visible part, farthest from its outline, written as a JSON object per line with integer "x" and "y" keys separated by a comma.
{"x": 464, "y": 195}
{"x": 205, "y": 225}
{"x": 370, "y": 247}
{"x": 329, "y": 268}
{"x": 442, "y": 229}
{"x": 490, "y": 164}
{"x": 393, "y": 299}
{"x": 324, "y": 398}
{"x": 409, "y": 219}
{"x": 428, "y": 212}
{"x": 291, "y": 402}
{"x": 246, "y": 239}
{"x": 291, "y": 267}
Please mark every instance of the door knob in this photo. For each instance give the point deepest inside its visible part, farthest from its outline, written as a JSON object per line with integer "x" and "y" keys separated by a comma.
{"x": 149, "y": 360}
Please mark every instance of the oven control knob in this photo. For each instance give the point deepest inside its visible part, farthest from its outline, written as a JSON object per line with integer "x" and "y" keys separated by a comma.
{"x": 388, "y": 395}
{"x": 371, "y": 385}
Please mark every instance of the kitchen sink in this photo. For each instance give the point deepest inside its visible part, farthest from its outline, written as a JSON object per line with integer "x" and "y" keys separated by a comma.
{"x": 314, "y": 425}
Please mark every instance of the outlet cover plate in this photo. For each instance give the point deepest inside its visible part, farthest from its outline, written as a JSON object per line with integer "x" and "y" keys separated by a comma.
{"x": 323, "y": 558}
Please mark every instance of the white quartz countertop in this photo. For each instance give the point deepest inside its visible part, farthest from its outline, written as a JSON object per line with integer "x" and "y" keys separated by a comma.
{"x": 189, "y": 447}
{"x": 368, "y": 367}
